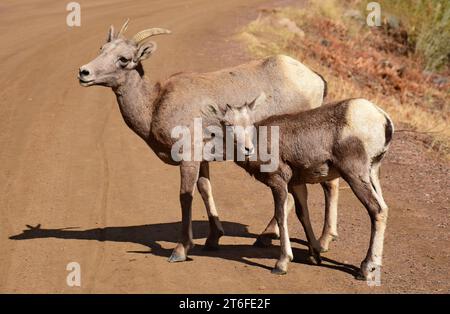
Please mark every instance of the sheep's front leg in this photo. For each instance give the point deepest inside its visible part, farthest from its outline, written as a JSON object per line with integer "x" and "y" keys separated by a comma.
{"x": 280, "y": 195}
{"x": 329, "y": 232}
{"x": 215, "y": 226}
{"x": 272, "y": 231}
{"x": 189, "y": 175}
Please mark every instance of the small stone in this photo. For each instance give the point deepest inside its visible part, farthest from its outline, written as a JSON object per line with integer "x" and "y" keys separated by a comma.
{"x": 325, "y": 43}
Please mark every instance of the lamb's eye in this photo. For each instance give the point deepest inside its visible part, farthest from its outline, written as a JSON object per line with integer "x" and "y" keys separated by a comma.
{"x": 123, "y": 60}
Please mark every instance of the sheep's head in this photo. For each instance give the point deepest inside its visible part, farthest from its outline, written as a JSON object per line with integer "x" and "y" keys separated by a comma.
{"x": 118, "y": 56}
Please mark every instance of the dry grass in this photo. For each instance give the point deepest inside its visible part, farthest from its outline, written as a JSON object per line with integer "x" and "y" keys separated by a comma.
{"x": 358, "y": 61}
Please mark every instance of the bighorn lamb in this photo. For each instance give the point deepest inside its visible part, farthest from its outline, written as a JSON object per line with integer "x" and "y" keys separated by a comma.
{"x": 346, "y": 139}
{"x": 152, "y": 111}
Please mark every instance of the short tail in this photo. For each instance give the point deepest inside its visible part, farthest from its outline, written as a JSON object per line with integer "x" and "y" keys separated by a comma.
{"x": 388, "y": 135}
{"x": 388, "y": 130}
{"x": 388, "y": 127}
{"x": 325, "y": 85}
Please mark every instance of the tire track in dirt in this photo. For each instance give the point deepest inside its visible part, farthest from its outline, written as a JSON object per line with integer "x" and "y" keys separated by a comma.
{"x": 100, "y": 251}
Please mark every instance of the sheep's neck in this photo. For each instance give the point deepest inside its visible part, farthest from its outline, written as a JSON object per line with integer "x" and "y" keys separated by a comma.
{"x": 136, "y": 97}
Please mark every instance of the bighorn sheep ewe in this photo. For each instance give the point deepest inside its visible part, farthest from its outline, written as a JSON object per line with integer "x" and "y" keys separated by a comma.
{"x": 152, "y": 112}
{"x": 346, "y": 139}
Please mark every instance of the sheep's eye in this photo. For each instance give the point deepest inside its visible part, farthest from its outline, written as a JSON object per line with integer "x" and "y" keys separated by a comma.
{"x": 123, "y": 60}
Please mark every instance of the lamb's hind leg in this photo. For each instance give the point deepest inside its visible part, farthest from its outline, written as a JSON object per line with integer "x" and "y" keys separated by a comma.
{"x": 329, "y": 232}
{"x": 362, "y": 186}
{"x": 375, "y": 180}
{"x": 272, "y": 231}
{"x": 215, "y": 226}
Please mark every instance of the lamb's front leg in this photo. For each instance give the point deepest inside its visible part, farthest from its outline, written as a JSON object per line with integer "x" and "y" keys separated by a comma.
{"x": 189, "y": 175}
{"x": 301, "y": 208}
{"x": 280, "y": 195}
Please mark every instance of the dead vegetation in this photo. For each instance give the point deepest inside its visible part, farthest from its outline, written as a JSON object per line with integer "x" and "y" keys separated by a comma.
{"x": 377, "y": 63}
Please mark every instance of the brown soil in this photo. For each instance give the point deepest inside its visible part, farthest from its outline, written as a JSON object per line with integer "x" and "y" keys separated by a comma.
{"x": 69, "y": 163}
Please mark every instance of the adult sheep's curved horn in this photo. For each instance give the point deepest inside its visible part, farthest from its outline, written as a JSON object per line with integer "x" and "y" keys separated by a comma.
{"x": 124, "y": 28}
{"x": 146, "y": 33}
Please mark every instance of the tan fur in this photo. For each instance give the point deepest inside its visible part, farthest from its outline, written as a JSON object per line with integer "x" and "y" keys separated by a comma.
{"x": 363, "y": 120}
{"x": 346, "y": 139}
{"x": 153, "y": 111}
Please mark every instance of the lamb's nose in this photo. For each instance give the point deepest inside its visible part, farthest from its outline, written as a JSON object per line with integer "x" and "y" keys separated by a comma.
{"x": 83, "y": 72}
{"x": 248, "y": 151}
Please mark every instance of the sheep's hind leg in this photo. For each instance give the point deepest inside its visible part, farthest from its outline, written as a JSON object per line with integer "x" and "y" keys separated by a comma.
{"x": 215, "y": 226}
{"x": 329, "y": 232}
{"x": 301, "y": 208}
{"x": 189, "y": 175}
{"x": 272, "y": 232}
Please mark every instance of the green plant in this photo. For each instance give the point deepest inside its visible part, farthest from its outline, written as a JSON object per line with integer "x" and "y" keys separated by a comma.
{"x": 427, "y": 23}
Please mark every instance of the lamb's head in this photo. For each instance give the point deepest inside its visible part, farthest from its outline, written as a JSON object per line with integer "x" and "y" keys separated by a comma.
{"x": 240, "y": 121}
{"x": 118, "y": 56}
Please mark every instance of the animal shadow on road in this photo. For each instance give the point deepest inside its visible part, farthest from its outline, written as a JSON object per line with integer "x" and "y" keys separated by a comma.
{"x": 150, "y": 235}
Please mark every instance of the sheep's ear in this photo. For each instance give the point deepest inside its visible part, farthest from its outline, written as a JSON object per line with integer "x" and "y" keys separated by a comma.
{"x": 257, "y": 101}
{"x": 145, "y": 50}
{"x": 212, "y": 111}
{"x": 111, "y": 35}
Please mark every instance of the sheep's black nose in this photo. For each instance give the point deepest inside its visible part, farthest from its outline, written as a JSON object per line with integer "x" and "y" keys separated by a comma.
{"x": 83, "y": 72}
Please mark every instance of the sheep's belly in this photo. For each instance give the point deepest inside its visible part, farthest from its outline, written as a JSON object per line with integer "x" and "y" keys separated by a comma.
{"x": 316, "y": 174}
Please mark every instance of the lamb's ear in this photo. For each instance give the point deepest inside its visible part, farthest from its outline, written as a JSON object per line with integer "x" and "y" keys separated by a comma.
{"x": 257, "y": 101}
{"x": 145, "y": 50}
{"x": 111, "y": 35}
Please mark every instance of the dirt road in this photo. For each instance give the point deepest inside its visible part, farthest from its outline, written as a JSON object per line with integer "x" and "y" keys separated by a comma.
{"x": 104, "y": 200}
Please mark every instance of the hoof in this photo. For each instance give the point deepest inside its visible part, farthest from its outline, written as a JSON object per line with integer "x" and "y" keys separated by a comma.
{"x": 263, "y": 241}
{"x": 360, "y": 276}
{"x": 325, "y": 242}
{"x": 367, "y": 271}
{"x": 278, "y": 271}
{"x": 324, "y": 246}
{"x": 177, "y": 257}
{"x": 271, "y": 235}
{"x": 314, "y": 260}
{"x": 211, "y": 245}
